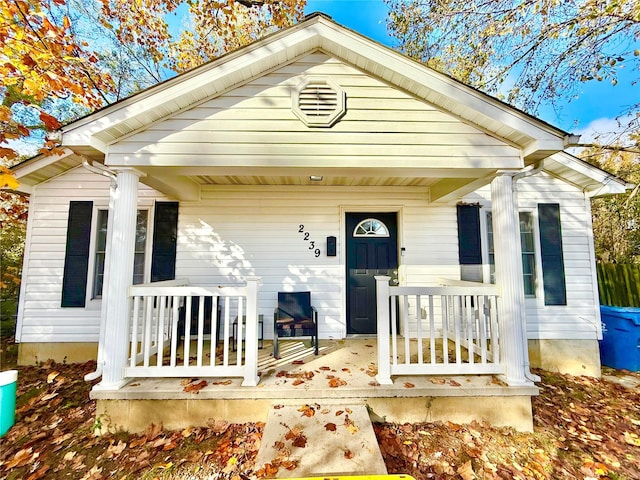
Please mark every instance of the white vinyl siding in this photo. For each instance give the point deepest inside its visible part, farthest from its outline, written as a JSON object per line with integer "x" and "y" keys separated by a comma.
{"x": 239, "y": 231}
{"x": 40, "y": 317}
{"x": 255, "y": 125}
{"x": 580, "y": 318}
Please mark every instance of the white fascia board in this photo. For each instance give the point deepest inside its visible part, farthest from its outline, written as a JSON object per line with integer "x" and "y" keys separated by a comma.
{"x": 34, "y": 164}
{"x": 597, "y": 181}
{"x": 238, "y": 67}
{"x": 200, "y": 85}
{"x": 338, "y": 40}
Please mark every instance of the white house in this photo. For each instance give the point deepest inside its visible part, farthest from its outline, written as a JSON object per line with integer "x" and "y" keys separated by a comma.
{"x": 314, "y": 159}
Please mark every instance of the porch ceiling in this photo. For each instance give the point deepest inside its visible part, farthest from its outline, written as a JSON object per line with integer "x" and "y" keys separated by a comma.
{"x": 326, "y": 180}
{"x": 184, "y": 183}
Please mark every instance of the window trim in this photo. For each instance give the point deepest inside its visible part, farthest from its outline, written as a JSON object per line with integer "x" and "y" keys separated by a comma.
{"x": 538, "y": 296}
{"x": 92, "y": 302}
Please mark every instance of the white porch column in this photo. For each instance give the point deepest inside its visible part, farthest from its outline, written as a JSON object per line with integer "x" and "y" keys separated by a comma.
{"x": 508, "y": 263}
{"x": 384, "y": 355}
{"x": 115, "y": 300}
{"x": 251, "y": 378}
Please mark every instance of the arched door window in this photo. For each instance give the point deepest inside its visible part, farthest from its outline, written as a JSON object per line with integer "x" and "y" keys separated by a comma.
{"x": 371, "y": 227}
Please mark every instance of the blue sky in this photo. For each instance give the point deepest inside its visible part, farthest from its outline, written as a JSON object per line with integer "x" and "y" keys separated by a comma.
{"x": 596, "y": 108}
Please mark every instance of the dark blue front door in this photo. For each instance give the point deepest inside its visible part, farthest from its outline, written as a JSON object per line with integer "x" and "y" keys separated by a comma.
{"x": 372, "y": 249}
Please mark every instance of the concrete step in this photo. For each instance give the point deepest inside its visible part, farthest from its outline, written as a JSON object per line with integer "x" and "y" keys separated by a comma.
{"x": 306, "y": 440}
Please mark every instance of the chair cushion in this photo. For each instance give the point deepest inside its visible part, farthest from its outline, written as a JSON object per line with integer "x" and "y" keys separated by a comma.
{"x": 296, "y": 305}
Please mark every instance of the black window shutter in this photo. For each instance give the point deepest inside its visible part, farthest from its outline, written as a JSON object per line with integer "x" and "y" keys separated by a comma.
{"x": 165, "y": 233}
{"x": 469, "y": 251}
{"x": 76, "y": 259}
{"x": 555, "y": 291}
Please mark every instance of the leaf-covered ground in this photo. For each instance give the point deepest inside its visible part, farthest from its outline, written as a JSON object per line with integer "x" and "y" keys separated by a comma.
{"x": 584, "y": 429}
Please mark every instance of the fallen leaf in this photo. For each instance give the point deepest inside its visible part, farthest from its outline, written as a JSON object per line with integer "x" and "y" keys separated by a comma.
{"x": 115, "y": 450}
{"x": 52, "y": 376}
{"x": 325, "y": 369}
{"x": 437, "y": 381}
{"x": 408, "y": 385}
{"x": 300, "y": 441}
{"x": 218, "y": 426}
{"x": 348, "y": 454}
{"x": 267, "y": 471}
{"x": 351, "y": 427}
{"x": 221, "y": 382}
{"x": 298, "y": 362}
{"x": 153, "y": 431}
{"x": 20, "y": 459}
{"x": 453, "y": 383}
{"x": 632, "y": 439}
{"x": 307, "y": 411}
{"x": 297, "y": 382}
{"x": 290, "y": 464}
{"x": 466, "y": 471}
{"x": 336, "y": 382}
{"x": 40, "y": 473}
{"x": 195, "y": 387}
{"x": 330, "y": 427}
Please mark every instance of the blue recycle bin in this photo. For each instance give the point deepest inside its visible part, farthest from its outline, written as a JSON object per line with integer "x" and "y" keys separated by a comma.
{"x": 620, "y": 344}
{"x": 8, "y": 387}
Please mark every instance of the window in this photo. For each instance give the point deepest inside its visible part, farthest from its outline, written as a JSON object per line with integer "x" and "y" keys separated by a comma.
{"x": 527, "y": 243}
{"x": 101, "y": 244}
{"x": 371, "y": 228}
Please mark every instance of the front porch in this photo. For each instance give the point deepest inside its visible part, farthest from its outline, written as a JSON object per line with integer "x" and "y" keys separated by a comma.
{"x": 344, "y": 373}
{"x": 438, "y": 355}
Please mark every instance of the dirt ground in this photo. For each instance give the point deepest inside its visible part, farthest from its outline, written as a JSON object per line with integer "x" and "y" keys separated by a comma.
{"x": 585, "y": 428}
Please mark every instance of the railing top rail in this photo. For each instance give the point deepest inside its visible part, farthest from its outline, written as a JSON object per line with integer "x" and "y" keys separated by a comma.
{"x": 187, "y": 291}
{"x": 177, "y": 282}
{"x": 452, "y": 282}
{"x": 458, "y": 291}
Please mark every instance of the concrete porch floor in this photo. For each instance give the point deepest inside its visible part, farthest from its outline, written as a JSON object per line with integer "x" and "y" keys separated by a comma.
{"x": 344, "y": 371}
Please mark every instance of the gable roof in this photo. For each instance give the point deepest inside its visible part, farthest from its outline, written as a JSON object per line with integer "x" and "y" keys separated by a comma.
{"x": 91, "y": 136}
{"x": 535, "y": 138}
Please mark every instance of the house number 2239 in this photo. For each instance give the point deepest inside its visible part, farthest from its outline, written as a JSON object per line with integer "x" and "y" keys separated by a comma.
{"x": 306, "y": 236}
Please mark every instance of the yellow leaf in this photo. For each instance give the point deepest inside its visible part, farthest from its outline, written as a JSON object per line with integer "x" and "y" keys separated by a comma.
{"x": 8, "y": 181}
{"x": 632, "y": 439}
{"x": 466, "y": 471}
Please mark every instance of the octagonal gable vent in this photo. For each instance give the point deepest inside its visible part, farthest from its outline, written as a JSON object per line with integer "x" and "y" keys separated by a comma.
{"x": 318, "y": 102}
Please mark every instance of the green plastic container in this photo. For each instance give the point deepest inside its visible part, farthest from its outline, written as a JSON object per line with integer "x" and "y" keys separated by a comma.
{"x": 8, "y": 387}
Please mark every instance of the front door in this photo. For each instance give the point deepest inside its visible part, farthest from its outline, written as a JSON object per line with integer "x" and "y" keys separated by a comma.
{"x": 372, "y": 249}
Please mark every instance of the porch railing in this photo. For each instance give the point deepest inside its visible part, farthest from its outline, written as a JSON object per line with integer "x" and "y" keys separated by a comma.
{"x": 179, "y": 330}
{"x": 450, "y": 330}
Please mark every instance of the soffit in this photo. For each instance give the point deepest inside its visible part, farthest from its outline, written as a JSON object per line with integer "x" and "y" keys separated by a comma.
{"x": 589, "y": 178}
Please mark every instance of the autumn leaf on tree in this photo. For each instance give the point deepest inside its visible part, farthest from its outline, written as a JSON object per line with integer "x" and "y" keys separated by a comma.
{"x": 48, "y": 70}
{"x": 7, "y": 180}
{"x": 42, "y": 61}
